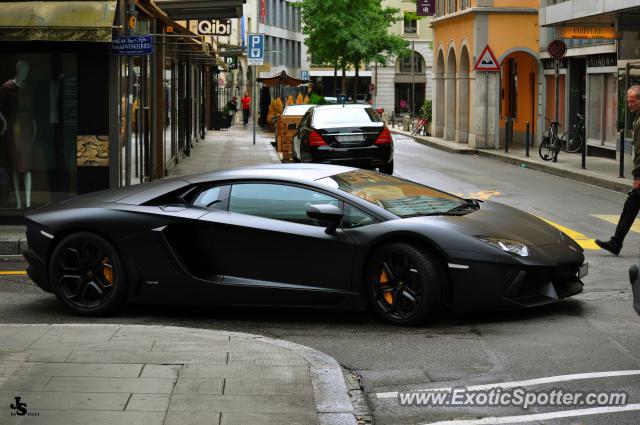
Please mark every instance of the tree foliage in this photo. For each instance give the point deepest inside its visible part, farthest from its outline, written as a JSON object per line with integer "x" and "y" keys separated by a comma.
{"x": 347, "y": 33}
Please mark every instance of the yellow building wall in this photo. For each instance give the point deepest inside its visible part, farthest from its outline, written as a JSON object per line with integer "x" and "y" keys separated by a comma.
{"x": 535, "y": 4}
{"x": 512, "y": 31}
{"x": 456, "y": 29}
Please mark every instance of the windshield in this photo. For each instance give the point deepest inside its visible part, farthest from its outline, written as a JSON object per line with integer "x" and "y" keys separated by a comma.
{"x": 400, "y": 197}
{"x": 344, "y": 116}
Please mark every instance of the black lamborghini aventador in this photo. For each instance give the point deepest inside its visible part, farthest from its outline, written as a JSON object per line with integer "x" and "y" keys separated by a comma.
{"x": 298, "y": 235}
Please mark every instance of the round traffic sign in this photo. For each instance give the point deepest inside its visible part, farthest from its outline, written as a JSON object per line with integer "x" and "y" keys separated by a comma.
{"x": 557, "y": 49}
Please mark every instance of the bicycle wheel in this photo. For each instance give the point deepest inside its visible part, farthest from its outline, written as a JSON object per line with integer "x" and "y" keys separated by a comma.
{"x": 571, "y": 141}
{"x": 546, "y": 150}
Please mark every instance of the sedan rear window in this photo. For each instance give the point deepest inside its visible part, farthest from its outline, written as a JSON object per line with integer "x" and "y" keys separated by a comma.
{"x": 344, "y": 116}
{"x": 400, "y": 197}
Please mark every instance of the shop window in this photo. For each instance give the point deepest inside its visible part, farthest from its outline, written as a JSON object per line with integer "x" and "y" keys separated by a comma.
{"x": 550, "y": 99}
{"x": 602, "y": 108}
{"x": 38, "y": 130}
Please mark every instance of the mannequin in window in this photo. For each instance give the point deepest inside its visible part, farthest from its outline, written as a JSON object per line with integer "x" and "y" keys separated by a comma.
{"x": 18, "y": 128}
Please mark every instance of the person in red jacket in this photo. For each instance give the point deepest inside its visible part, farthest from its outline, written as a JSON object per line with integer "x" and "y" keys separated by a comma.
{"x": 246, "y": 107}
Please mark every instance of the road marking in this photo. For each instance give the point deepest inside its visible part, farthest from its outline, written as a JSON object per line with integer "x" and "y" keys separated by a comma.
{"x": 582, "y": 240}
{"x": 540, "y": 416}
{"x": 635, "y": 227}
{"x": 12, "y": 272}
{"x": 528, "y": 382}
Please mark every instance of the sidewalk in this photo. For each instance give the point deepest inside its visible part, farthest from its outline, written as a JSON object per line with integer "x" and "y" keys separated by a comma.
{"x": 602, "y": 172}
{"x": 159, "y": 375}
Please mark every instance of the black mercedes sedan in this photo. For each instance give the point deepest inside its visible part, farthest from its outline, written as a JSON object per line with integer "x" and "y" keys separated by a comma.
{"x": 353, "y": 135}
{"x": 301, "y": 235}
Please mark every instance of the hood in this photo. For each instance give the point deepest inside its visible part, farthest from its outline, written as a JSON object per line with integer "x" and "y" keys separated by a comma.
{"x": 494, "y": 219}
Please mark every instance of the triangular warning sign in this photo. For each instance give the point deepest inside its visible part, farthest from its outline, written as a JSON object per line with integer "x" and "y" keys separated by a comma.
{"x": 487, "y": 61}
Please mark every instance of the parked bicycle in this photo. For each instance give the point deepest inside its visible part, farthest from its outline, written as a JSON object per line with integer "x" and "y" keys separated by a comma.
{"x": 572, "y": 140}
{"x": 550, "y": 145}
{"x": 422, "y": 125}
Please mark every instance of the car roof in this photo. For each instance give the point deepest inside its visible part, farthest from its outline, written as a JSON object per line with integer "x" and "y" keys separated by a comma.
{"x": 339, "y": 106}
{"x": 289, "y": 172}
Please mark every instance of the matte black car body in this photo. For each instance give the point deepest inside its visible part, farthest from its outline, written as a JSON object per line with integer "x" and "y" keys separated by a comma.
{"x": 177, "y": 253}
{"x": 368, "y": 152}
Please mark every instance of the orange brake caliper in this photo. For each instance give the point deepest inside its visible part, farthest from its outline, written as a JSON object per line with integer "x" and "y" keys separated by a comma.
{"x": 107, "y": 272}
{"x": 384, "y": 280}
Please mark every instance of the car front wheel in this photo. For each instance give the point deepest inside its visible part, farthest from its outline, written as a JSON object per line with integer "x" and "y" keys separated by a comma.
{"x": 88, "y": 275}
{"x": 404, "y": 284}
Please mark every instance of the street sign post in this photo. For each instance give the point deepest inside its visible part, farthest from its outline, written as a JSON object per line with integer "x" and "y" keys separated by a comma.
{"x": 255, "y": 57}
{"x": 255, "y": 49}
{"x": 557, "y": 49}
{"x": 487, "y": 61}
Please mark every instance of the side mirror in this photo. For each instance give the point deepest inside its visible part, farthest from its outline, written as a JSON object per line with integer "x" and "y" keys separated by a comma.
{"x": 327, "y": 213}
{"x": 292, "y": 126}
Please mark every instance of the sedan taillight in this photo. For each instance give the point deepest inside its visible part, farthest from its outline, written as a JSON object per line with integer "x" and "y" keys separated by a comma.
{"x": 315, "y": 139}
{"x": 384, "y": 138}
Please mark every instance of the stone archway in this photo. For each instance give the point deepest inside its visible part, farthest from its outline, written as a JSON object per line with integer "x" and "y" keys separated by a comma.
{"x": 438, "y": 101}
{"x": 450, "y": 117}
{"x": 521, "y": 71}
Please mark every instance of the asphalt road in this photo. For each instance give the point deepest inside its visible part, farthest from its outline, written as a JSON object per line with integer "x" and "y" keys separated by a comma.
{"x": 594, "y": 332}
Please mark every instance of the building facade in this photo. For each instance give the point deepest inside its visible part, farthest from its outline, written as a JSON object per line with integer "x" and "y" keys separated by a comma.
{"x": 403, "y": 85}
{"x": 473, "y": 107}
{"x": 77, "y": 117}
{"x": 593, "y": 75}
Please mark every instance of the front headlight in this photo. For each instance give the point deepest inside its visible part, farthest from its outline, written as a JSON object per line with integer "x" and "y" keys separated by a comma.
{"x": 507, "y": 245}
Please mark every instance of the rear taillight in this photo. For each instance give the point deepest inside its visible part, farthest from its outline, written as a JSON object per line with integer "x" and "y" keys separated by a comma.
{"x": 315, "y": 139}
{"x": 384, "y": 138}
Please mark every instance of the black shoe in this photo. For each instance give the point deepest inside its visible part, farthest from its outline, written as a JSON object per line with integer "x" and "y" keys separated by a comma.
{"x": 609, "y": 245}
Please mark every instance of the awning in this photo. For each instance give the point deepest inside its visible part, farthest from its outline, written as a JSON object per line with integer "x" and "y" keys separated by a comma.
{"x": 201, "y": 9}
{"x": 57, "y": 20}
{"x": 281, "y": 79}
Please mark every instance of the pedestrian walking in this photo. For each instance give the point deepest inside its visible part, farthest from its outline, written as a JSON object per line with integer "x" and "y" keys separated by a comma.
{"x": 632, "y": 204}
{"x": 246, "y": 107}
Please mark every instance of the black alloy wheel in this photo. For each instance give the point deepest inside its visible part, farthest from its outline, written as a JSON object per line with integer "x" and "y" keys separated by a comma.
{"x": 404, "y": 284}
{"x": 87, "y": 274}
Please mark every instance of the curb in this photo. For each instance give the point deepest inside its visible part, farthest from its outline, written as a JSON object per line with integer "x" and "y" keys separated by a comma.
{"x": 581, "y": 176}
{"x": 332, "y": 397}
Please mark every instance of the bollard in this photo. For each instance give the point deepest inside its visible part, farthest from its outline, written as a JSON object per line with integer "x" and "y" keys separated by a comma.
{"x": 621, "y": 154}
{"x": 507, "y": 134}
{"x": 584, "y": 152}
{"x": 526, "y": 142}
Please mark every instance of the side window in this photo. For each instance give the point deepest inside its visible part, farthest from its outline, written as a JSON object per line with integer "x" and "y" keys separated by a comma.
{"x": 276, "y": 201}
{"x": 213, "y": 198}
{"x": 354, "y": 217}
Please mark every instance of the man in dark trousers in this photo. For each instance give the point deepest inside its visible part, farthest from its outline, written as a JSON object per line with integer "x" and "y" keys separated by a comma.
{"x": 246, "y": 107}
{"x": 632, "y": 205}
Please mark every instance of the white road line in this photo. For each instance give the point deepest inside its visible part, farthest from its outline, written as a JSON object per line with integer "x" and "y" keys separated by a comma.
{"x": 540, "y": 416}
{"x": 529, "y": 382}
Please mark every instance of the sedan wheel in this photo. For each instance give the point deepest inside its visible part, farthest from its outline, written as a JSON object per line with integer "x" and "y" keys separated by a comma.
{"x": 87, "y": 274}
{"x": 387, "y": 168}
{"x": 404, "y": 284}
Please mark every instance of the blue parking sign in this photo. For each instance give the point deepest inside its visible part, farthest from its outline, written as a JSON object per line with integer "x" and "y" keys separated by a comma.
{"x": 255, "y": 49}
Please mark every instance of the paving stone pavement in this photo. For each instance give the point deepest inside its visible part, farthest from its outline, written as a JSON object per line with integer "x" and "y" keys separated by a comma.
{"x": 157, "y": 375}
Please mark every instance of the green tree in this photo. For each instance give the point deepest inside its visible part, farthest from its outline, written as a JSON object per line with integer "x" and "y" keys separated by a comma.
{"x": 349, "y": 32}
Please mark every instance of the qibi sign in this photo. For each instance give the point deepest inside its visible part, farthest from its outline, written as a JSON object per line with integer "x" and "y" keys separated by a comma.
{"x": 214, "y": 27}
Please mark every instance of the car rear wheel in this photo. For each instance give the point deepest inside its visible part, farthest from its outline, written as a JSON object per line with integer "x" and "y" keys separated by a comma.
{"x": 404, "y": 284}
{"x": 87, "y": 274}
{"x": 387, "y": 168}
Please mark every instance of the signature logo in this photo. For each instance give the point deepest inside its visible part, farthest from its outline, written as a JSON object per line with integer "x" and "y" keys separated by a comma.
{"x": 20, "y": 407}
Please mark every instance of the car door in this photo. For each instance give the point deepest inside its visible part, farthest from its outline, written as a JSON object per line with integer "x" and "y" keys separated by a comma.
{"x": 269, "y": 251}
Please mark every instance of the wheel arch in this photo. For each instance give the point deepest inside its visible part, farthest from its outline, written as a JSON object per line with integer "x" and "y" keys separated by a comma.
{"x": 419, "y": 241}
{"x": 131, "y": 273}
